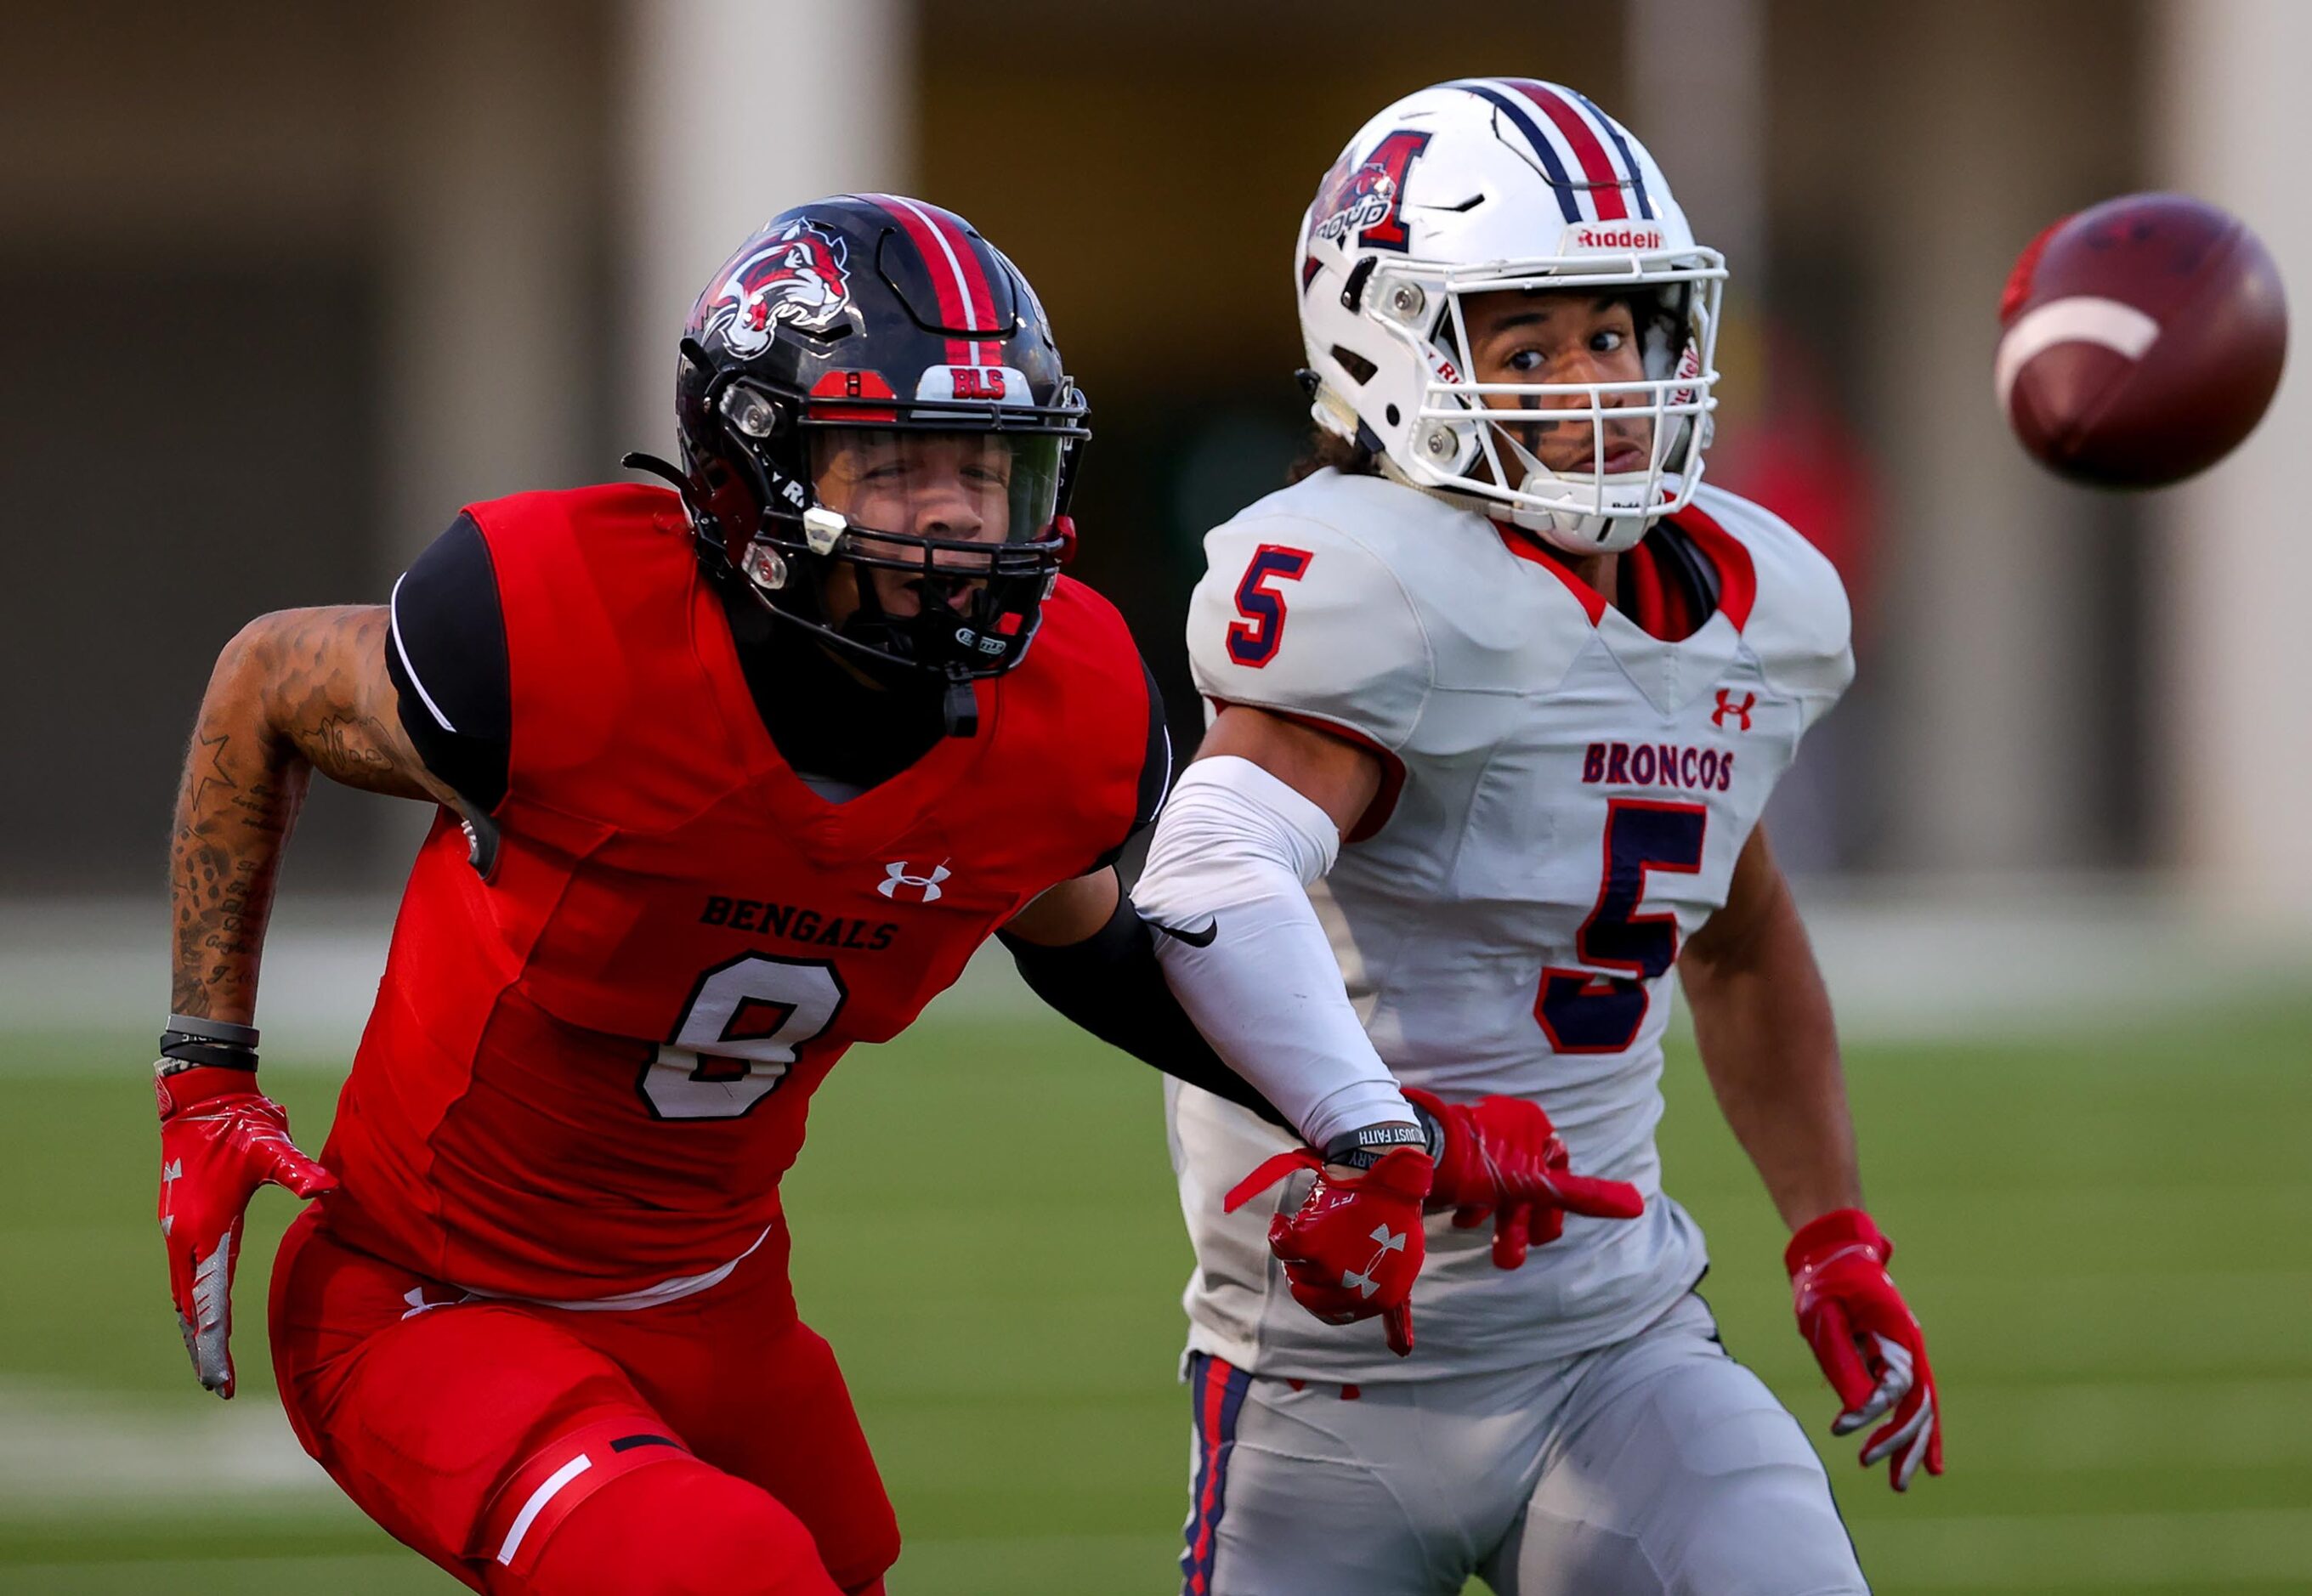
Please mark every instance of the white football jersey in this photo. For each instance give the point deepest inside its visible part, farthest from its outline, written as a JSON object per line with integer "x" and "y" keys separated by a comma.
{"x": 1565, "y": 796}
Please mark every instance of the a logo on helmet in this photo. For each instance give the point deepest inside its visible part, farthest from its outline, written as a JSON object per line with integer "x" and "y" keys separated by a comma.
{"x": 1366, "y": 200}
{"x": 797, "y": 276}
{"x": 1358, "y": 204}
{"x": 1689, "y": 364}
{"x": 1613, "y": 235}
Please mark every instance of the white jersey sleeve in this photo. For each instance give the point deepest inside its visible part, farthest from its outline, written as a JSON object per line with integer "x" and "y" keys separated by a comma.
{"x": 1298, "y": 615}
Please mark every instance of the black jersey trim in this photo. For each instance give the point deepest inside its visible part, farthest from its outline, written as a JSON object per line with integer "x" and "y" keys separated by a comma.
{"x": 1695, "y": 570}
{"x": 446, "y": 652}
{"x": 1155, "y": 774}
{"x": 1156, "y": 760}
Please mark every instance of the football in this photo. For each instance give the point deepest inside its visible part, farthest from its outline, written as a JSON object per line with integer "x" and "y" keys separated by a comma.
{"x": 2140, "y": 341}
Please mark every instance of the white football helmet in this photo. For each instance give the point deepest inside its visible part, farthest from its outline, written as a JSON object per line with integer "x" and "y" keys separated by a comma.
{"x": 1475, "y": 187}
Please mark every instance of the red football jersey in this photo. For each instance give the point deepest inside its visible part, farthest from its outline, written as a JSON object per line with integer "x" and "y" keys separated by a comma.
{"x": 585, "y": 1075}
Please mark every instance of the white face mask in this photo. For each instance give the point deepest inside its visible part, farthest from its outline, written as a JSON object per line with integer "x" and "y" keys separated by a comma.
{"x": 1474, "y": 441}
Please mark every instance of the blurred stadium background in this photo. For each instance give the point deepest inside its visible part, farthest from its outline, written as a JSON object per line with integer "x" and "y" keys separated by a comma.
{"x": 283, "y": 285}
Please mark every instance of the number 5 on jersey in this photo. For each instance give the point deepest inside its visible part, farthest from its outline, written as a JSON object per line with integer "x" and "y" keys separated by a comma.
{"x": 1582, "y": 1011}
{"x": 1254, "y": 641}
{"x": 738, "y": 1035}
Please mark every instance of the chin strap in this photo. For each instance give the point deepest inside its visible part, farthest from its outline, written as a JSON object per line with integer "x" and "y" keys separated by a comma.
{"x": 704, "y": 522}
{"x": 960, "y": 706}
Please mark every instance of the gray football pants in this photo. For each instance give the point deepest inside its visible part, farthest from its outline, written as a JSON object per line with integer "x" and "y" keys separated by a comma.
{"x": 1656, "y": 1467}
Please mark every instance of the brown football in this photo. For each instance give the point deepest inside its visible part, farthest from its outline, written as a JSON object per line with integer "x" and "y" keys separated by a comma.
{"x": 2140, "y": 340}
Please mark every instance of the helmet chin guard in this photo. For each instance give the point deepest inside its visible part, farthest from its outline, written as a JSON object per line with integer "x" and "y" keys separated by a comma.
{"x": 1507, "y": 185}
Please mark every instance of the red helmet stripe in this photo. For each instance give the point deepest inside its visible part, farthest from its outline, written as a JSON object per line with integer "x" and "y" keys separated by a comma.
{"x": 958, "y": 278}
{"x": 1621, "y": 143}
{"x": 981, "y": 297}
{"x": 1597, "y": 166}
{"x": 946, "y": 283}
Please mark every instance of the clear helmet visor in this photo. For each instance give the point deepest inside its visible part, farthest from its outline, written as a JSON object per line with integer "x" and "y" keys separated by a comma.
{"x": 959, "y": 490}
{"x": 935, "y": 544}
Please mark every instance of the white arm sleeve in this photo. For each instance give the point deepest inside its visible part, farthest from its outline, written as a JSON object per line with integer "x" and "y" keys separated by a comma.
{"x": 1226, "y": 889}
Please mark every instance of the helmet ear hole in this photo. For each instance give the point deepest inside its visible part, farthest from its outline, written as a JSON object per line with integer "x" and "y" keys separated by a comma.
{"x": 1356, "y": 365}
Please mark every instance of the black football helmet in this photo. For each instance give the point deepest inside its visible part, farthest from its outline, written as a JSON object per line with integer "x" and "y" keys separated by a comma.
{"x": 854, "y": 345}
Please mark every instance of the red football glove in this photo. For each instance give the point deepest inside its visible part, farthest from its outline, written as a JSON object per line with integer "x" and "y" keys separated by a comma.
{"x": 1352, "y": 1247}
{"x": 1867, "y": 1341}
{"x": 1503, "y": 1159}
{"x": 220, "y": 1140}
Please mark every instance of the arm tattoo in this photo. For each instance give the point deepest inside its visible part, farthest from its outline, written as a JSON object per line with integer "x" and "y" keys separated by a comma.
{"x": 297, "y": 692}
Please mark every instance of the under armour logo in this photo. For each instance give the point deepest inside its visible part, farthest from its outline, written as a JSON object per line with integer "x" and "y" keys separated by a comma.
{"x": 924, "y": 889}
{"x": 415, "y": 1297}
{"x": 1364, "y": 1282}
{"x": 1727, "y": 706}
{"x": 170, "y": 1172}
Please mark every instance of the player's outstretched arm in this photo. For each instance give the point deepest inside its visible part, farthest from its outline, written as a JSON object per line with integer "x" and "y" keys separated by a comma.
{"x": 1762, "y": 1016}
{"x": 293, "y": 692}
{"x": 1256, "y": 819}
{"x": 1083, "y": 948}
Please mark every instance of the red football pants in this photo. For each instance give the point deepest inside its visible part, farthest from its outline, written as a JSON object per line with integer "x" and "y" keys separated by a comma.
{"x": 705, "y": 1446}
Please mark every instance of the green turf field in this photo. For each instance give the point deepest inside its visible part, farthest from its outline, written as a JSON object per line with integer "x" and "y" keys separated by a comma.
{"x": 2109, "y": 1241}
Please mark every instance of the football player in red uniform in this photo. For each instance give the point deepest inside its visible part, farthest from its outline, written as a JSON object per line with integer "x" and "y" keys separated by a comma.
{"x": 730, "y": 777}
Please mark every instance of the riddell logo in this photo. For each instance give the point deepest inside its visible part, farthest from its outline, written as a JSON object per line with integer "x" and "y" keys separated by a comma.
{"x": 919, "y": 889}
{"x": 1590, "y": 236}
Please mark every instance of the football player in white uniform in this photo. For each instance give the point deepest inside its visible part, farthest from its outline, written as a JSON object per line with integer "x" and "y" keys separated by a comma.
{"x": 1500, "y": 693}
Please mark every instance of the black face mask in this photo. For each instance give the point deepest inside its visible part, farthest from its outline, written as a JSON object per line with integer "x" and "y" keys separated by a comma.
{"x": 913, "y": 654}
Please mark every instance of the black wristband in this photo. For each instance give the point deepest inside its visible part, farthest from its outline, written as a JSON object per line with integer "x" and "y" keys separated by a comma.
{"x": 200, "y": 1029}
{"x": 194, "y": 1044}
{"x": 1368, "y": 1145}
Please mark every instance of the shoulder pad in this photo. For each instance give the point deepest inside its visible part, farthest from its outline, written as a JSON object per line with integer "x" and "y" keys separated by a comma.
{"x": 1301, "y": 614}
{"x": 1799, "y": 627}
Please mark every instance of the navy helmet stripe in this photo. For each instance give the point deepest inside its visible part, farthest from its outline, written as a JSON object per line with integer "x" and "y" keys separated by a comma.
{"x": 1567, "y": 205}
{"x": 1628, "y": 160}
